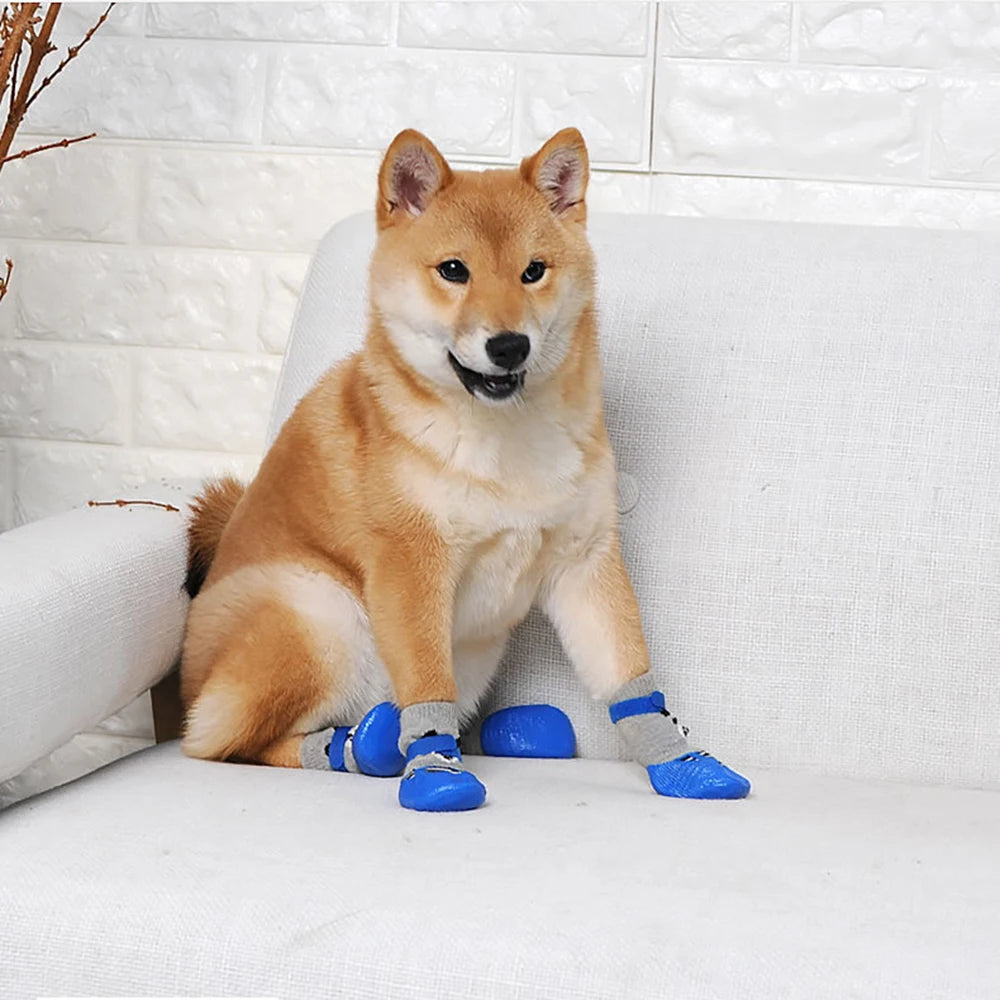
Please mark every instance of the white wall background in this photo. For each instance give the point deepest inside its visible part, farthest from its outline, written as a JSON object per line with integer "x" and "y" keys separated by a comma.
{"x": 157, "y": 266}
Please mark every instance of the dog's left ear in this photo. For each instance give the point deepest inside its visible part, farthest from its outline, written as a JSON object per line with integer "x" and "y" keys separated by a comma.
{"x": 560, "y": 170}
{"x": 412, "y": 173}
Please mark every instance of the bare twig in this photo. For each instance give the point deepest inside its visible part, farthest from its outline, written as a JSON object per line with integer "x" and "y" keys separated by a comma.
{"x": 39, "y": 48}
{"x": 22, "y": 24}
{"x": 71, "y": 53}
{"x": 5, "y": 280}
{"x": 49, "y": 145}
{"x": 128, "y": 503}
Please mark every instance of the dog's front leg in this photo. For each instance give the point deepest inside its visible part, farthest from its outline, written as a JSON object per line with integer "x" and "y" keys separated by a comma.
{"x": 590, "y": 600}
{"x": 409, "y": 595}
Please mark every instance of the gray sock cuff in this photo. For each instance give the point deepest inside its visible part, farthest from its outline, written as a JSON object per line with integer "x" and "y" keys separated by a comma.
{"x": 638, "y": 687}
{"x": 652, "y": 738}
{"x": 416, "y": 720}
{"x": 314, "y": 750}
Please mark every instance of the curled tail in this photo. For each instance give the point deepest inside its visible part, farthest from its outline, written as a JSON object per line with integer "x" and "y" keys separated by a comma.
{"x": 210, "y": 512}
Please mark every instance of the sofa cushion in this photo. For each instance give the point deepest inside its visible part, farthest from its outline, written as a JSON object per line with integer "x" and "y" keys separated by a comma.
{"x": 805, "y": 419}
{"x": 164, "y": 876}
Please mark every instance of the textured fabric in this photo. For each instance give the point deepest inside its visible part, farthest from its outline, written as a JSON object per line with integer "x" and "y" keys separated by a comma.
{"x": 806, "y": 421}
{"x": 418, "y": 720}
{"x": 84, "y": 753}
{"x": 91, "y": 615}
{"x": 314, "y": 750}
{"x": 163, "y": 876}
{"x": 651, "y": 735}
{"x": 120, "y": 734}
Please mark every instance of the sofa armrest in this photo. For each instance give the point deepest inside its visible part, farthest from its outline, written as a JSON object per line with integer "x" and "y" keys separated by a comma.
{"x": 91, "y": 615}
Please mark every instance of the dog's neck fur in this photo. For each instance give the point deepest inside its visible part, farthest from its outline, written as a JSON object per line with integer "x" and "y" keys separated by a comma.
{"x": 490, "y": 443}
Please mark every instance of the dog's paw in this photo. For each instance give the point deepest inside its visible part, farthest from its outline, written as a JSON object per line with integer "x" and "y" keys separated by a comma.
{"x": 528, "y": 731}
{"x": 441, "y": 789}
{"x": 436, "y": 780}
{"x": 697, "y": 775}
{"x": 375, "y": 742}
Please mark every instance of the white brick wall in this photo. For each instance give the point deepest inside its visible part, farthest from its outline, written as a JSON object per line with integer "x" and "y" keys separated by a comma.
{"x": 158, "y": 266}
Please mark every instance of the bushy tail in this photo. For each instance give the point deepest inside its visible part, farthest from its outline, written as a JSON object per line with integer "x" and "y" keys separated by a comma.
{"x": 210, "y": 512}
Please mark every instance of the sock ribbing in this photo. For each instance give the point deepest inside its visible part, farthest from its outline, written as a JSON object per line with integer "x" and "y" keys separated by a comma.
{"x": 416, "y": 721}
{"x": 651, "y": 737}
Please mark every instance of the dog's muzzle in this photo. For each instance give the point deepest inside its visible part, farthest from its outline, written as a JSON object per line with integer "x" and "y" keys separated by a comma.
{"x": 488, "y": 386}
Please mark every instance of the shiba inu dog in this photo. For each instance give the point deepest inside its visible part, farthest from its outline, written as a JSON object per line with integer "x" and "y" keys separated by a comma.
{"x": 422, "y": 496}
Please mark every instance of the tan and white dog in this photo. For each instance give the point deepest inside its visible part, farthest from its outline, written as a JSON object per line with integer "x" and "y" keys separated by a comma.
{"x": 430, "y": 488}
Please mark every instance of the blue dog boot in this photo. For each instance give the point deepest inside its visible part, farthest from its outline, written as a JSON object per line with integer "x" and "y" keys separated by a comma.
{"x": 697, "y": 775}
{"x": 659, "y": 742}
{"x": 435, "y": 779}
{"x": 335, "y": 748}
{"x": 370, "y": 747}
{"x": 375, "y": 742}
{"x": 528, "y": 731}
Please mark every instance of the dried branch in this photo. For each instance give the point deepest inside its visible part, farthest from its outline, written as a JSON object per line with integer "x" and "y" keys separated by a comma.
{"x": 129, "y": 503}
{"x": 38, "y": 49}
{"x": 63, "y": 143}
{"x": 5, "y": 280}
{"x": 71, "y": 54}
{"x": 13, "y": 29}
{"x": 22, "y": 24}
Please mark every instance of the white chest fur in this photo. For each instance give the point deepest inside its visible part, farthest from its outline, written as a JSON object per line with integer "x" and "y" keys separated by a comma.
{"x": 513, "y": 479}
{"x": 499, "y": 584}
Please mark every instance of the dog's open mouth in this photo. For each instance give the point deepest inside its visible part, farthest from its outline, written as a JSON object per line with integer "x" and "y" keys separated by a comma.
{"x": 487, "y": 386}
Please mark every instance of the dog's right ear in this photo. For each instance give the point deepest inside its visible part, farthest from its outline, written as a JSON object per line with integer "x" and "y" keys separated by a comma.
{"x": 412, "y": 173}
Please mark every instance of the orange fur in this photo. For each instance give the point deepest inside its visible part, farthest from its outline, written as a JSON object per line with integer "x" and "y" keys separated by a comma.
{"x": 210, "y": 512}
{"x": 399, "y": 528}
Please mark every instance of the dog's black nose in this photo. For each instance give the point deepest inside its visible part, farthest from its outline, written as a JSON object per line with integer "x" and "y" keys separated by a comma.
{"x": 508, "y": 349}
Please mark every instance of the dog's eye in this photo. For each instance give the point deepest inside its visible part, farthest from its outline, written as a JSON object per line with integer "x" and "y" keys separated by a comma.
{"x": 533, "y": 272}
{"x": 453, "y": 270}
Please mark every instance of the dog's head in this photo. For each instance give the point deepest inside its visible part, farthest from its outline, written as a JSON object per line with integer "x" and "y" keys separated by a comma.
{"x": 480, "y": 278}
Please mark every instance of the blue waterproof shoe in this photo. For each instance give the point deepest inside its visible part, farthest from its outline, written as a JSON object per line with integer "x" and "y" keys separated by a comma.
{"x": 371, "y": 747}
{"x": 436, "y": 780}
{"x": 697, "y": 776}
{"x": 528, "y": 731}
{"x": 375, "y": 743}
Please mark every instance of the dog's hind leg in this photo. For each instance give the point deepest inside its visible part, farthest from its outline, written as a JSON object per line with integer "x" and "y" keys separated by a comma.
{"x": 273, "y": 684}
{"x": 263, "y": 682}
{"x": 371, "y": 747}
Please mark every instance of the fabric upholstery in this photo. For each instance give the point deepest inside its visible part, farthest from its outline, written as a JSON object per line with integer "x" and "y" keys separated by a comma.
{"x": 806, "y": 421}
{"x": 91, "y": 615}
{"x": 163, "y": 876}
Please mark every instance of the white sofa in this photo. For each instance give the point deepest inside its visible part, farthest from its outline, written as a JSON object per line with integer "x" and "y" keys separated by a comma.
{"x": 807, "y": 424}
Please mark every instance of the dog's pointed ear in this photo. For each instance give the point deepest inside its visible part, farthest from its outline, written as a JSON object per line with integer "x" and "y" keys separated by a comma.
{"x": 412, "y": 173}
{"x": 560, "y": 170}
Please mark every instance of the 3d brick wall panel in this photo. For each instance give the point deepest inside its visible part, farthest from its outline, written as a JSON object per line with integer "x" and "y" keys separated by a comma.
{"x": 157, "y": 267}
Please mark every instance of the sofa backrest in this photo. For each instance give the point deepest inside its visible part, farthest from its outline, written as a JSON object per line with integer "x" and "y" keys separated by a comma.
{"x": 807, "y": 427}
